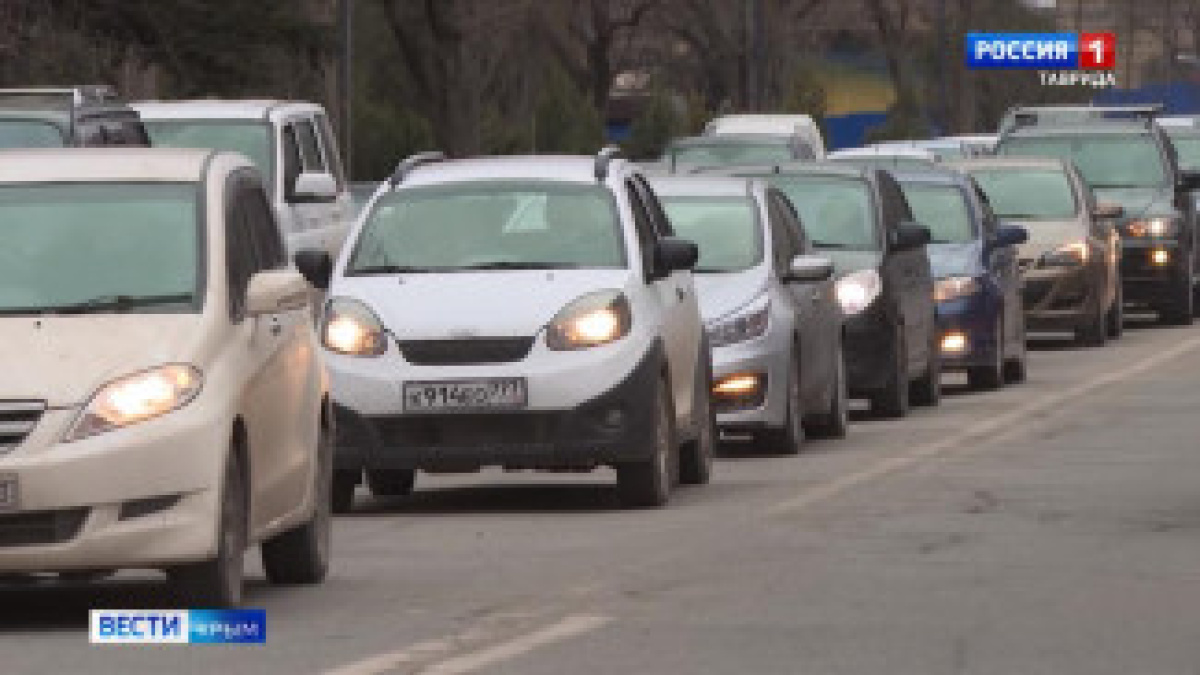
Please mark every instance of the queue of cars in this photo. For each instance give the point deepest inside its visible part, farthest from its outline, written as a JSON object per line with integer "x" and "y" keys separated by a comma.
{"x": 176, "y": 400}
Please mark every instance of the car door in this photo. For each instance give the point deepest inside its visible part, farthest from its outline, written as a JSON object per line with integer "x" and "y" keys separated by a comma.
{"x": 341, "y": 210}
{"x": 909, "y": 271}
{"x": 1002, "y": 266}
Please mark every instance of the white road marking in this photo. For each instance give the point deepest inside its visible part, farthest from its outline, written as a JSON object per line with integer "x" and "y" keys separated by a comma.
{"x": 570, "y": 627}
{"x": 975, "y": 435}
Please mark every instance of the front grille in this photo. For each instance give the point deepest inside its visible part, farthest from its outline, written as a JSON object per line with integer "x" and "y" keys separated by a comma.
{"x": 468, "y": 351}
{"x": 17, "y": 420}
{"x": 40, "y": 528}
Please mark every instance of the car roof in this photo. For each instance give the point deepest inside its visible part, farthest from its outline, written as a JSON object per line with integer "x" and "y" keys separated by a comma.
{"x": 558, "y": 168}
{"x": 1115, "y": 127}
{"x": 689, "y": 186}
{"x": 898, "y": 150}
{"x": 247, "y": 109}
{"x": 100, "y": 165}
{"x": 1007, "y": 161}
{"x": 729, "y": 139}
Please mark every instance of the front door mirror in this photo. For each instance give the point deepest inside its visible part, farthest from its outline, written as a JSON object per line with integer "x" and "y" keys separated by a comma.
{"x": 316, "y": 266}
{"x": 673, "y": 254}
{"x": 275, "y": 291}
{"x": 809, "y": 268}
{"x": 1009, "y": 235}
{"x": 909, "y": 235}
{"x": 1190, "y": 180}
{"x": 1108, "y": 211}
{"x": 315, "y": 187}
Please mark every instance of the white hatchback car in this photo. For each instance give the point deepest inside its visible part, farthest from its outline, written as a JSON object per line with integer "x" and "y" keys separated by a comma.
{"x": 163, "y": 405}
{"x": 524, "y": 312}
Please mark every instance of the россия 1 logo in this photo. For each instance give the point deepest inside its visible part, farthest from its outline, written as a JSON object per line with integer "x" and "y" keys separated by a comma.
{"x": 1041, "y": 51}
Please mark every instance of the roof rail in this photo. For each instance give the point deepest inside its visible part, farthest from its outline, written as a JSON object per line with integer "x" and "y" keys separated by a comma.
{"x": 1023, "y": 116}
{"x": 604, "y": 158}
{"x": 412, "y": 163}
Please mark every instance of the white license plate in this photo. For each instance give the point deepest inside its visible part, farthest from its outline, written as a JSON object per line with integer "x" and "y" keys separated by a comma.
{"x": 449, "y": 395}
{"x": 8, "y": 492}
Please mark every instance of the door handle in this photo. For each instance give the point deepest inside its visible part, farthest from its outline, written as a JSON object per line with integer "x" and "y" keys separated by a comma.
{"x": 276, "y": 329}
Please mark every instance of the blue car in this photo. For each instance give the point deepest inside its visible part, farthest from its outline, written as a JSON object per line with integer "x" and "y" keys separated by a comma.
{"x": 980, "y": 317}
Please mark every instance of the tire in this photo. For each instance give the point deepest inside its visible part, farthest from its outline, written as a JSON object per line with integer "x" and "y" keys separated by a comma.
{"x": 927, "y": 389}
{"x": 391, "y": 482}
{"x": 1015, "y": 367}
{"x": 696, "y": 457}
{"x": 301, "y": 555}
{"x": 892, "y": 400}
{"x": 835, "y": 422}
{"x": 1095, "y": 332}
{"x": 990, "y": 376}
{"x": 786, "y": 440}
{"x": 648, "y": 484}
{"x": 1115, "y": 318}
{"x": 342, "y": 491}
{"x": 1181, "y": 309}
{"x": 217, "y": 583}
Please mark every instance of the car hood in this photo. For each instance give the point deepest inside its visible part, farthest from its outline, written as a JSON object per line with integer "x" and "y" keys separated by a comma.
{"x": 722, "y": 294}
{"x": 64, "y": 359}
{"x": 1139, "y": 202}
{"x": 474, "y": 304}
{"x": 958, "y": 259}
{"x": 845, "y": 261}
{"x": 1047, "y": 235}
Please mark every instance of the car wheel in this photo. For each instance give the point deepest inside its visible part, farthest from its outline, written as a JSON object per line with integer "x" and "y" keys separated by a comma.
{"x": 835, "y": 422}
{"x": 991, "y": 375}
{"x": 786, "y": 440}
{"x": 301, "y": 555}
{"x": 1095, "y": 332}
{"x": 342, "y": 492}
{"x": 1015, "y": 367}
{"x": 1115, "y": 319}
{"x": 696, "y": 460}
{"x": 391, "y": 482}
{"x": 1180, "y": 310}
{"x": 892, "y": 399}
{"x": 217, "y": 582}
{"x": 927, "y": 390}
{"x": 648, "y": 483}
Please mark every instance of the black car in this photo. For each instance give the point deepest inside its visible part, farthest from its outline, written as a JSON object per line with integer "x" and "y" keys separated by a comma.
{"x": 91, "y": 116}
{"x": 1132, "y": 167}
{"x": 860, "y": 219}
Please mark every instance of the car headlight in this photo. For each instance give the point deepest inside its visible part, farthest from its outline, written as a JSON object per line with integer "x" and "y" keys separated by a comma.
{"x": 1151, "y": 227}
{"x": 137, "y": 398}
{"x": 953, "y": 288}
{"x": 747, "y": 323}
{"x": 590, "y": 321}
{"x": 350, "y": 328}
{"x": 857, "y": 290}
{"x": 1073, "y": 254}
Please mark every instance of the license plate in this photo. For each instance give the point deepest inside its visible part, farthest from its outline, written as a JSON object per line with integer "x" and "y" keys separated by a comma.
{"x": 8, "y": 492}
{"x": 464, "y": 395}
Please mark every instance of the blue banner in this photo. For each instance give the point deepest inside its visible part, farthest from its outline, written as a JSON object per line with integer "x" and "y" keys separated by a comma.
{"x": 1042, "y": 51}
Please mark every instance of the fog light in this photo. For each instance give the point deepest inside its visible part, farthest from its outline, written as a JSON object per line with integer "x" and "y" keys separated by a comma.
{"x": 737, "y": 385}
{"x": 1160, "y": 256}
{"x": 954, "y": 343}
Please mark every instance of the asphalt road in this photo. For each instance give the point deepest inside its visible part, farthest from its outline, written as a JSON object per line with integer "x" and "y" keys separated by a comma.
{"x": 1052, "y": 527}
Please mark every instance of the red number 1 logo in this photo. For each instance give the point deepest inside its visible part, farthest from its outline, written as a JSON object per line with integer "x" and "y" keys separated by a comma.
{"x": 1098, "y": 51}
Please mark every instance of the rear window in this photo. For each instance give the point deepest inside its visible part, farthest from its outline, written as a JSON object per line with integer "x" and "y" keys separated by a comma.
{"x": 726, "y": 230}
{"x": 252, "y": 139}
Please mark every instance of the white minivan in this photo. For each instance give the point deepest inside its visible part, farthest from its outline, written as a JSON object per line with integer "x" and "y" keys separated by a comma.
{"x": 803, "y": 127}
{"x": 163, "y": 404}
{"x": 291, "y": 142}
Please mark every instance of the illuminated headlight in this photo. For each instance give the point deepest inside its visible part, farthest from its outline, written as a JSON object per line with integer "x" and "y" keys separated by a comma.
{"x": 590, "y": 321}
{"x": 747, "y": 323}
{"x": 352, "y": 329}
{"x": 137, "y": 398}
{"x": 954, "y": 343}
{"x": 1160, "y": 257}
{"x": 1151, "y": 227}
{"x": 1073, "y": 254}
{"x": 952, "y": 288}
{"x": 857, "y": 290}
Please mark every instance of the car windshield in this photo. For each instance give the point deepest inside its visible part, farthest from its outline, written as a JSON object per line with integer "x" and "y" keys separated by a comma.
{"x": 1104, "y": 160}
{"x": 885, "y": 161}
{"x": 836, "y": 212}
{"x": 16, "y": 133}
{"x": 727, "y": 153}
{"x": 726, "y": 229}
{"x": 83, "y": 247}
{"x": 1021, "y": 193}
{"x": 1187, "y": 146}
{"x": 943, "y": 209}
{"x": 480, "y": 225}
{"x": 251, "y": 138}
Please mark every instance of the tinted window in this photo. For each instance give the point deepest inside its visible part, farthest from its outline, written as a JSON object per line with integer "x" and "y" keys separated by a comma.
{"x": 726, "y": 229}
{"x": 836, "y": 212}
{"x": 1188, "y": 148}
{"x": 252, "y": 139}
{"x": 491, "y": 225}
{"x": 29, "y": 134}
{"x": 125, "y": 246}
{"x": 1028, "y": 194}
{"x": 1104, "y": 161}
{"x": 943, "y": 209}
{"x": 291, "y": 160}
{"x": 310, "y": 151}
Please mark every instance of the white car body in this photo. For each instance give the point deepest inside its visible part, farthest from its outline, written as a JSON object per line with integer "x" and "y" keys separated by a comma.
{"x": 148, "y": 494}
{"x": 319, "y": 219}
{"x": 438, "y": 308}
{"x": 885, "y": 151}
{"x": 775, "y": 125}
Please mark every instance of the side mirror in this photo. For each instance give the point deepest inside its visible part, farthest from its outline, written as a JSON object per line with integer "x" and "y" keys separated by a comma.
{"x": 1108, "y": 211}
{"x": 909, "y": 235}
{"x": 1009, "y": 235}
{"x": 673, "y": 254}
{"x": 314, "y": 187}
{"x": 316, "y": 266}
{"x": 1190, "y": 180}
{"x": 275, "y": 291}
{"x": 809, "y": 268}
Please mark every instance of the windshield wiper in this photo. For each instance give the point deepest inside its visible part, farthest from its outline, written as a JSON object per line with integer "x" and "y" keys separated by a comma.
{"x": 825, "y": 244}
{"x": 117, "y": 303}
{"x": 503, "y": 265}
{"x": 394, "y": 269}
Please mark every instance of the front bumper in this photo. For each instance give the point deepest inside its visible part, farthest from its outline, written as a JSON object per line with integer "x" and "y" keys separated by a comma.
{"x": 975, "y": 317}
{"x": 870, "y": 347}
{"x": 1147, "y": 283}
{"x": 768, "y": 357}
{"x": 1060, "y": 298}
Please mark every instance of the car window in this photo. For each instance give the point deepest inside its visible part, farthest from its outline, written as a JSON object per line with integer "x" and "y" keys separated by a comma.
{"x": 643, "y": 226}
{"x": 470, "y": 225}
{"x": 725, "y": 229}
{"x": 1023, "y": 193}
{"x": 836, "y": 212}
{"x": 1104, "y": 160}
{"x": 943, "y": 209}
{"x": 727, "y": 153}
{"x": 329, "y": 149}
{"x": 250, "y": 138}
{"x": 15, "y": 133}
{"x": 90, "y": 133}
{"x": 311, "y": 158}
{"x": 132, "y": 247}
{"x": 292, "y": 163}
{"x": 658, "y": 217}
{"x": 1187, "y": 146}
{"x": 783, "y": 237}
